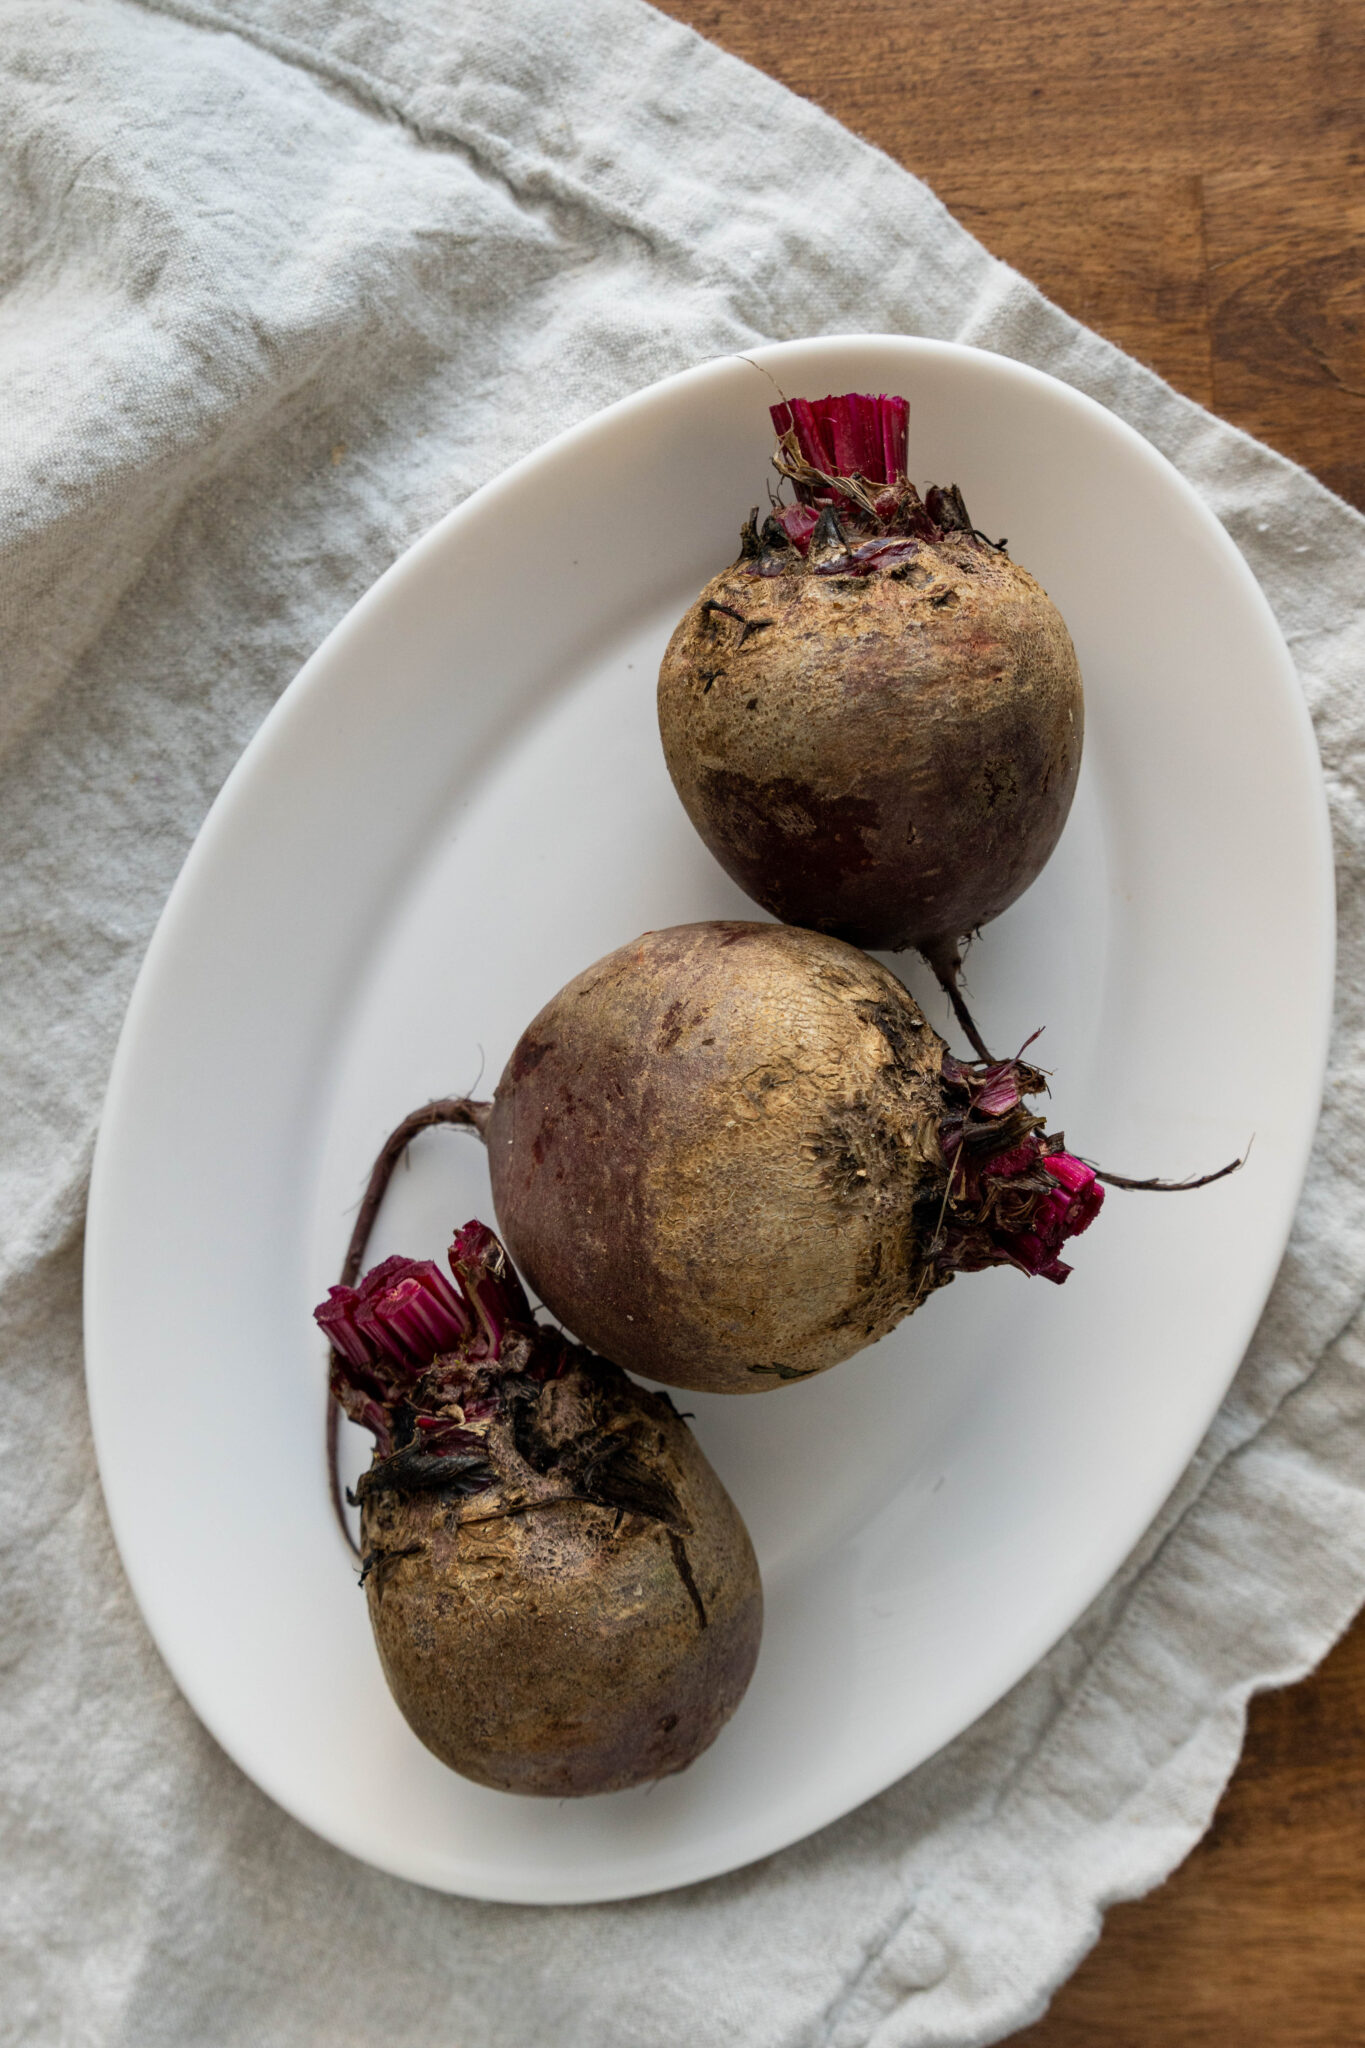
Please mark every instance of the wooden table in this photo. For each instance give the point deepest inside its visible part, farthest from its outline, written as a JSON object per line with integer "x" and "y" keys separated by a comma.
{"x": 1190, "y": 180}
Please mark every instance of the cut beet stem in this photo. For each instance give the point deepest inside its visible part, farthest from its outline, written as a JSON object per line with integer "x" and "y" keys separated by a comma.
{"x": 450, "y": 1109}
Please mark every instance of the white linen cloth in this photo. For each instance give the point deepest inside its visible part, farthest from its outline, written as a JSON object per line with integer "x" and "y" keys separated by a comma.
{"x": 284, "y": 279}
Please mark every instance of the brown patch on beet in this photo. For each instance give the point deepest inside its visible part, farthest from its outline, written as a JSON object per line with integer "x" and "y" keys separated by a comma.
{"x": 529, "y": 1054}
{"x": 789, "y": 827}
{"x": 904, "y": 1035}
{"x": 671, "y": 1030}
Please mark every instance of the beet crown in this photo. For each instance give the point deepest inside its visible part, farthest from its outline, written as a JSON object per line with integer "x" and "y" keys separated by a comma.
{"x": 1015, "y": 1194}
{"x": 425, "y": 1365}
{"x": 431, "y": 1370}
{"x": 846, "y": 457}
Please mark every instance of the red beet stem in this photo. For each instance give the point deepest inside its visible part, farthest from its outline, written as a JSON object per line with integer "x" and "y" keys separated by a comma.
{"x": 1015, "y": 1194}
{"x": 424, "y": 1365}
{"x": 352, "y": 1368}
{"x": 405, "y": 1315}
{"x": 853, "y": 434}
{"x": 484, "y": 1275}
{"x": 798, "y": 522}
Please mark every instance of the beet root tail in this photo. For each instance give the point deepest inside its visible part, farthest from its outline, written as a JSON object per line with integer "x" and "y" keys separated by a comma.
{"x": 944, "y": 956}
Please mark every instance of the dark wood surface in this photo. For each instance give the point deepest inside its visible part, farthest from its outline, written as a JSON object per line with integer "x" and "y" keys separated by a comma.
{"x": 1190, "y": 180}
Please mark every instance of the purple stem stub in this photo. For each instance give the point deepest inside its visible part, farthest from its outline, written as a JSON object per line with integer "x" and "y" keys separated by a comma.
{"x": 852, "y": 435}
{"x": 845, "y": 457}
{"x": 417, "y": 1359}
{"x": 1015, "y": 1194}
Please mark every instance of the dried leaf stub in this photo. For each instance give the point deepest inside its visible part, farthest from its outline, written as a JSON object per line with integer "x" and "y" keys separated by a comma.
{"x": 1015, "y": 1193}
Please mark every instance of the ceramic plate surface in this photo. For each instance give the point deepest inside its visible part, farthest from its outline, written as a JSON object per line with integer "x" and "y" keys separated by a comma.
{"x": 459, "y": 804}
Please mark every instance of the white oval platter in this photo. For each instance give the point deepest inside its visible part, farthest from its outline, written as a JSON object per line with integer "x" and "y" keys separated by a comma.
{"x": 457, "y": 805}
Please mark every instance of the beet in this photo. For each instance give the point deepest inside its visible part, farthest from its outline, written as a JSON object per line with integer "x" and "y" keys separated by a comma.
{"x": 873, "y": 717}
{"x": 730, "y": 1155}
{"x": 564, "y": 1597}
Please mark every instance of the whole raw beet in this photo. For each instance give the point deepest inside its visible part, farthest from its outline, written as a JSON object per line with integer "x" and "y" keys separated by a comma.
{"x": 563, "y": 1595}
{"x": 733, "y": 1154}
{"x": 873, "y": 717}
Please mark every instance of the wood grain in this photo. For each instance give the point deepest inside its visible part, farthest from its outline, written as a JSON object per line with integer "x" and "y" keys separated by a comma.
{"x": 1190, "y": 180}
